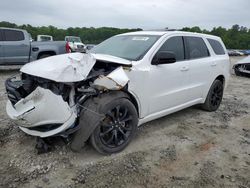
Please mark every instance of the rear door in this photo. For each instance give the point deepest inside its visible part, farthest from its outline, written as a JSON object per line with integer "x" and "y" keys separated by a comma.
{"x": 199, "y": 59}
{"x": 16, "y": 47}
{"x": 1, "y": 47}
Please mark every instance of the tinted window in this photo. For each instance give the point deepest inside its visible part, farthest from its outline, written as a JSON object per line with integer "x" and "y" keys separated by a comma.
{"x": 175, "y": 45}
{"x": 196, "y": 48}
{"x": 11, "y": 35}
{"x": 1, "y": 35}
{"x": 217, "y": 47}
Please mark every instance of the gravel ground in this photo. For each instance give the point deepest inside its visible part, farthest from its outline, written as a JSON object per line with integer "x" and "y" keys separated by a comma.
{"x": 190, "y": 148}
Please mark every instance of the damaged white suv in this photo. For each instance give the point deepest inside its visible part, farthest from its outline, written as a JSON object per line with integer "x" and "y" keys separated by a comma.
{"x": 123, "y": 82}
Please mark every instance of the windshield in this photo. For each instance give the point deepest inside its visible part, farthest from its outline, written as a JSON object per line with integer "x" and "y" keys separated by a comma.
{"x": 130, "y": 47}
{"x": 73, "y": 39}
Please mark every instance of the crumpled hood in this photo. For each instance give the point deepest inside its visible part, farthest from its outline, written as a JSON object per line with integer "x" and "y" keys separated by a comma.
{"x": 73, "y": 67}
{"x": 62, "y": 68}
{"x": 112, "y": 59}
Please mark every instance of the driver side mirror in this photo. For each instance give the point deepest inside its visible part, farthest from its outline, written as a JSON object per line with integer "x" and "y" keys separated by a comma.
{"x": 164, "y": 57}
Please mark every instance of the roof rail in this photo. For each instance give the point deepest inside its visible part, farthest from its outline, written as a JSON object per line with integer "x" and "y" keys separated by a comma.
{"x": 165, "y": 29}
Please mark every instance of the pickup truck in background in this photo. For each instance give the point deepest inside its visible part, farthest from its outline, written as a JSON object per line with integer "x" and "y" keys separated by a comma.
{"x": 17, "y": 47}
{"x": 75, "y": 44}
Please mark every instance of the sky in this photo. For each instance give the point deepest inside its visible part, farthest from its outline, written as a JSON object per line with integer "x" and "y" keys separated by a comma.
{"x": 145, "y": 14}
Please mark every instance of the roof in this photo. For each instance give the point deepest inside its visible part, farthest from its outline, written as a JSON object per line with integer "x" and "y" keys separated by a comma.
{"x": 161, "y": 33}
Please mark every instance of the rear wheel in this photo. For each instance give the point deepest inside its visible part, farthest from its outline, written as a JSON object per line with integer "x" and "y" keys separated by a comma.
{"x": 214, "y": 96}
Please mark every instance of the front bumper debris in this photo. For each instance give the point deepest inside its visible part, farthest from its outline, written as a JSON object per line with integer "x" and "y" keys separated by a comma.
{"x": 42, "y": 108}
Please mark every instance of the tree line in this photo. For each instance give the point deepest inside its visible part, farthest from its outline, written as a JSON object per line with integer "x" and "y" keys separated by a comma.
{"x": 236, "y": 37}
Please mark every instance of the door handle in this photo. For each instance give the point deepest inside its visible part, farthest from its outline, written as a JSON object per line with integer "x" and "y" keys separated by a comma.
{"x": 213, "y": 64}
{"x": 23, "y": 44}
{"x": 184, "y": 68}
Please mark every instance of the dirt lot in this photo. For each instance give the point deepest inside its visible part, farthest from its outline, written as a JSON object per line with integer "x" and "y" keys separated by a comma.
{"x": 191, "y": 148}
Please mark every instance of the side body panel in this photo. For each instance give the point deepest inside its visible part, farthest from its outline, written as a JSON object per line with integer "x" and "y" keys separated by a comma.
{"x": 193, "y": 84}
{"x": 51, "y": 47}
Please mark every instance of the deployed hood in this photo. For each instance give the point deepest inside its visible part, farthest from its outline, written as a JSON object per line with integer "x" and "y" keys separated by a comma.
{"x": 71, "y": 67}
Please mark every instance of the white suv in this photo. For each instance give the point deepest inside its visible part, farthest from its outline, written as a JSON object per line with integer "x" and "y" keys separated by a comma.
{"x": 123, "y": 82}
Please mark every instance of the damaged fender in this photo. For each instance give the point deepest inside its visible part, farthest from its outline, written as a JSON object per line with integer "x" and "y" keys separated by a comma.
{"x": 116, "y": 80}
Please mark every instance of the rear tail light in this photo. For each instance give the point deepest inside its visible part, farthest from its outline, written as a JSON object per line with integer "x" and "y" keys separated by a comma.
{"x": 67, "y": 47}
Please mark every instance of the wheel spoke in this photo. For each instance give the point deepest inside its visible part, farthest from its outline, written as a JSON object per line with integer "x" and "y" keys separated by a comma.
{"x": 124, "y": 114}
{"x": 111, "y": 138}
{"x": 116, "y": 138}
{"x": 127, "y": 118}
{"x": 110, "y": 114}
{"x": 117, "y": 111}
{"x": 126, "y": 128}
{"x": 124, "y": 135}
{"x": 106, "y": 132}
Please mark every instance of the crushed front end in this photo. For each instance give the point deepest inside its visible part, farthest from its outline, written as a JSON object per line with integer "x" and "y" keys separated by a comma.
{"x": 47, "y": 97}
{"x": 43, "y": 106}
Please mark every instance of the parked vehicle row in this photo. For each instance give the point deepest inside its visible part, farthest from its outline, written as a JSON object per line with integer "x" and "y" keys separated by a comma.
{"x": 17, "y": 47}
{"x": 238, "y": 52}
{"x": 242, "y": 67}
{"x": 125, "y": 81}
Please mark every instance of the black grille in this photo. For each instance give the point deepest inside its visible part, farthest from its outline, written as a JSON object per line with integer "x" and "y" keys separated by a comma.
{"x": 17, "y": 89}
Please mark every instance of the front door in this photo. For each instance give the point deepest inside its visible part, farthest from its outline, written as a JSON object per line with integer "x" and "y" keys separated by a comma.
{"x": 168, "y": 82}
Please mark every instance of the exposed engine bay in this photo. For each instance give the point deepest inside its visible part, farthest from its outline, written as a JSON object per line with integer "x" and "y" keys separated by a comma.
{"x": 48, "y": 95}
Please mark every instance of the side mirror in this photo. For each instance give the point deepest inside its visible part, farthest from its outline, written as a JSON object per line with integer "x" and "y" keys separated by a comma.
{"x": 164, "y": 57}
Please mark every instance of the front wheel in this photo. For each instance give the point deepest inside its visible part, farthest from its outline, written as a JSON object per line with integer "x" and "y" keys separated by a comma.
{"x": 118, "y": 127}
{"x": 214, "y": 96}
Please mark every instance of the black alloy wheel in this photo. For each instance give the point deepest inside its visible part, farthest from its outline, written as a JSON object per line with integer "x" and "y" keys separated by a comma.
{"x": 214, "y": 96}
{"x": 116, "y": 128}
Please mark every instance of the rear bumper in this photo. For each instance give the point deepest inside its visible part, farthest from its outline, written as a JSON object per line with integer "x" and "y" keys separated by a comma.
{"x": 42, "y": 113}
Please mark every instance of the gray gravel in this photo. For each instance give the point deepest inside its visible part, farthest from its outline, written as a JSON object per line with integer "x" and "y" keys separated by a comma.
{"x": 190, "y": 148}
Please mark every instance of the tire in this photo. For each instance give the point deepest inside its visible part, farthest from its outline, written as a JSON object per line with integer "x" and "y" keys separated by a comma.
{"x": 214, "y": 97}
{"x": 44, "y": 56}
{"x": 118, "y": 127}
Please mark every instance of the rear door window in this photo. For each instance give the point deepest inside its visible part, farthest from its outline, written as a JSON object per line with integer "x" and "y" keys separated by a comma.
{"x": 217, "y": 47}
{"x": 175, "y": 45}
{"x": 12, "y": 35}
{"x": 196, "y": 48}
